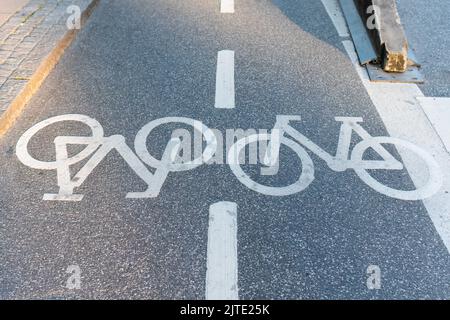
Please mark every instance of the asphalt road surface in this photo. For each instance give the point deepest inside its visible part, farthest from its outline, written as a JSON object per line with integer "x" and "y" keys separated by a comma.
{"x": 142, "y": 60}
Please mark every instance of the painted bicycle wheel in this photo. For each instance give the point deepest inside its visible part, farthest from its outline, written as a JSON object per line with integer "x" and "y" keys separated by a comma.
{"x": 430, "y": 188}
{"x": 304, "y": 180}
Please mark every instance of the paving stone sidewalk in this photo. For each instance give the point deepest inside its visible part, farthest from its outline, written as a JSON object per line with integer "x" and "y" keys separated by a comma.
{"x": 27, "y": 38}
{"x": 9, "y": 7}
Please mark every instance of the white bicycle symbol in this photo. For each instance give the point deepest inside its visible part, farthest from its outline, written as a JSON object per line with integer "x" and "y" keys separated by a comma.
{"x": 340, "y": 162}
{"x": 97, "y": 147}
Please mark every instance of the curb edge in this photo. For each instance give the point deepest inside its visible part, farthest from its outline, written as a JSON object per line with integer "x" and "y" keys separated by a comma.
{"x": 19, "y": 103}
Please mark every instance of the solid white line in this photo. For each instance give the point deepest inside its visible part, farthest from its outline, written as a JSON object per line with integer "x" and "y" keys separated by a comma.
{"x": 334, "y": 11}
{"x": 225, "y": 96}
{"x": 438, "y": 112}
{"x": 399, "y": 108}
{"x": 227, "y": 6}
{"x": 222, "y": 267}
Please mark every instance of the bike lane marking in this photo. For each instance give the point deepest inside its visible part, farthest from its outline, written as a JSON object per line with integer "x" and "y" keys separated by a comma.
{"x": 222, "y": 265}
{"x": 225, "y": 96}
{"x": 227, "y": 6}
{"x": 398, "y": 104}
{"x": 222, "y": 270}
{"x": 438, "y": 112}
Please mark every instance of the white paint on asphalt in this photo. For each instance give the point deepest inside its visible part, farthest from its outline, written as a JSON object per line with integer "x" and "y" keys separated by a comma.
{"x": 438, "y": 112}
{"x": 399, "y": 107}
{"x": 97, "y": 147}
{"x": 400, "y": 110}
{"x": 225, "y": 96}
{"x": 222, "y": 266}
{"x": 334, "y": 11}
{"x": 227, "y": 6}
{"x": 341, "y": 162}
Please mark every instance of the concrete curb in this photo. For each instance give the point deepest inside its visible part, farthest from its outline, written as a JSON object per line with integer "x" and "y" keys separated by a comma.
{"x": 8, "y": 118}
{"x": 388, "y": 36}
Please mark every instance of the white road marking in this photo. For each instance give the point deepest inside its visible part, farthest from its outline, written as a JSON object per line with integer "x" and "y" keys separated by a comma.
{"x": 227, "y": 6}
{"x": 438, "y": 112}
{"x": 225, "y": 96}
{"x": 404, "y": 118}
{"x": 334, "y": 11}
{"x": 399, "y": 108}
{"x": 341, "y": 162}
{"x": 222, "y": 267}
{"x": 97, "y": 147}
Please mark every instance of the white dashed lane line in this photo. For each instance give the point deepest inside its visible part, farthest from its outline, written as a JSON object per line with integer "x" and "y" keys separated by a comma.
{"x": 227, "y": 6}
{"x": 222, "y": 266}
{"x": 225, "y": 95}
